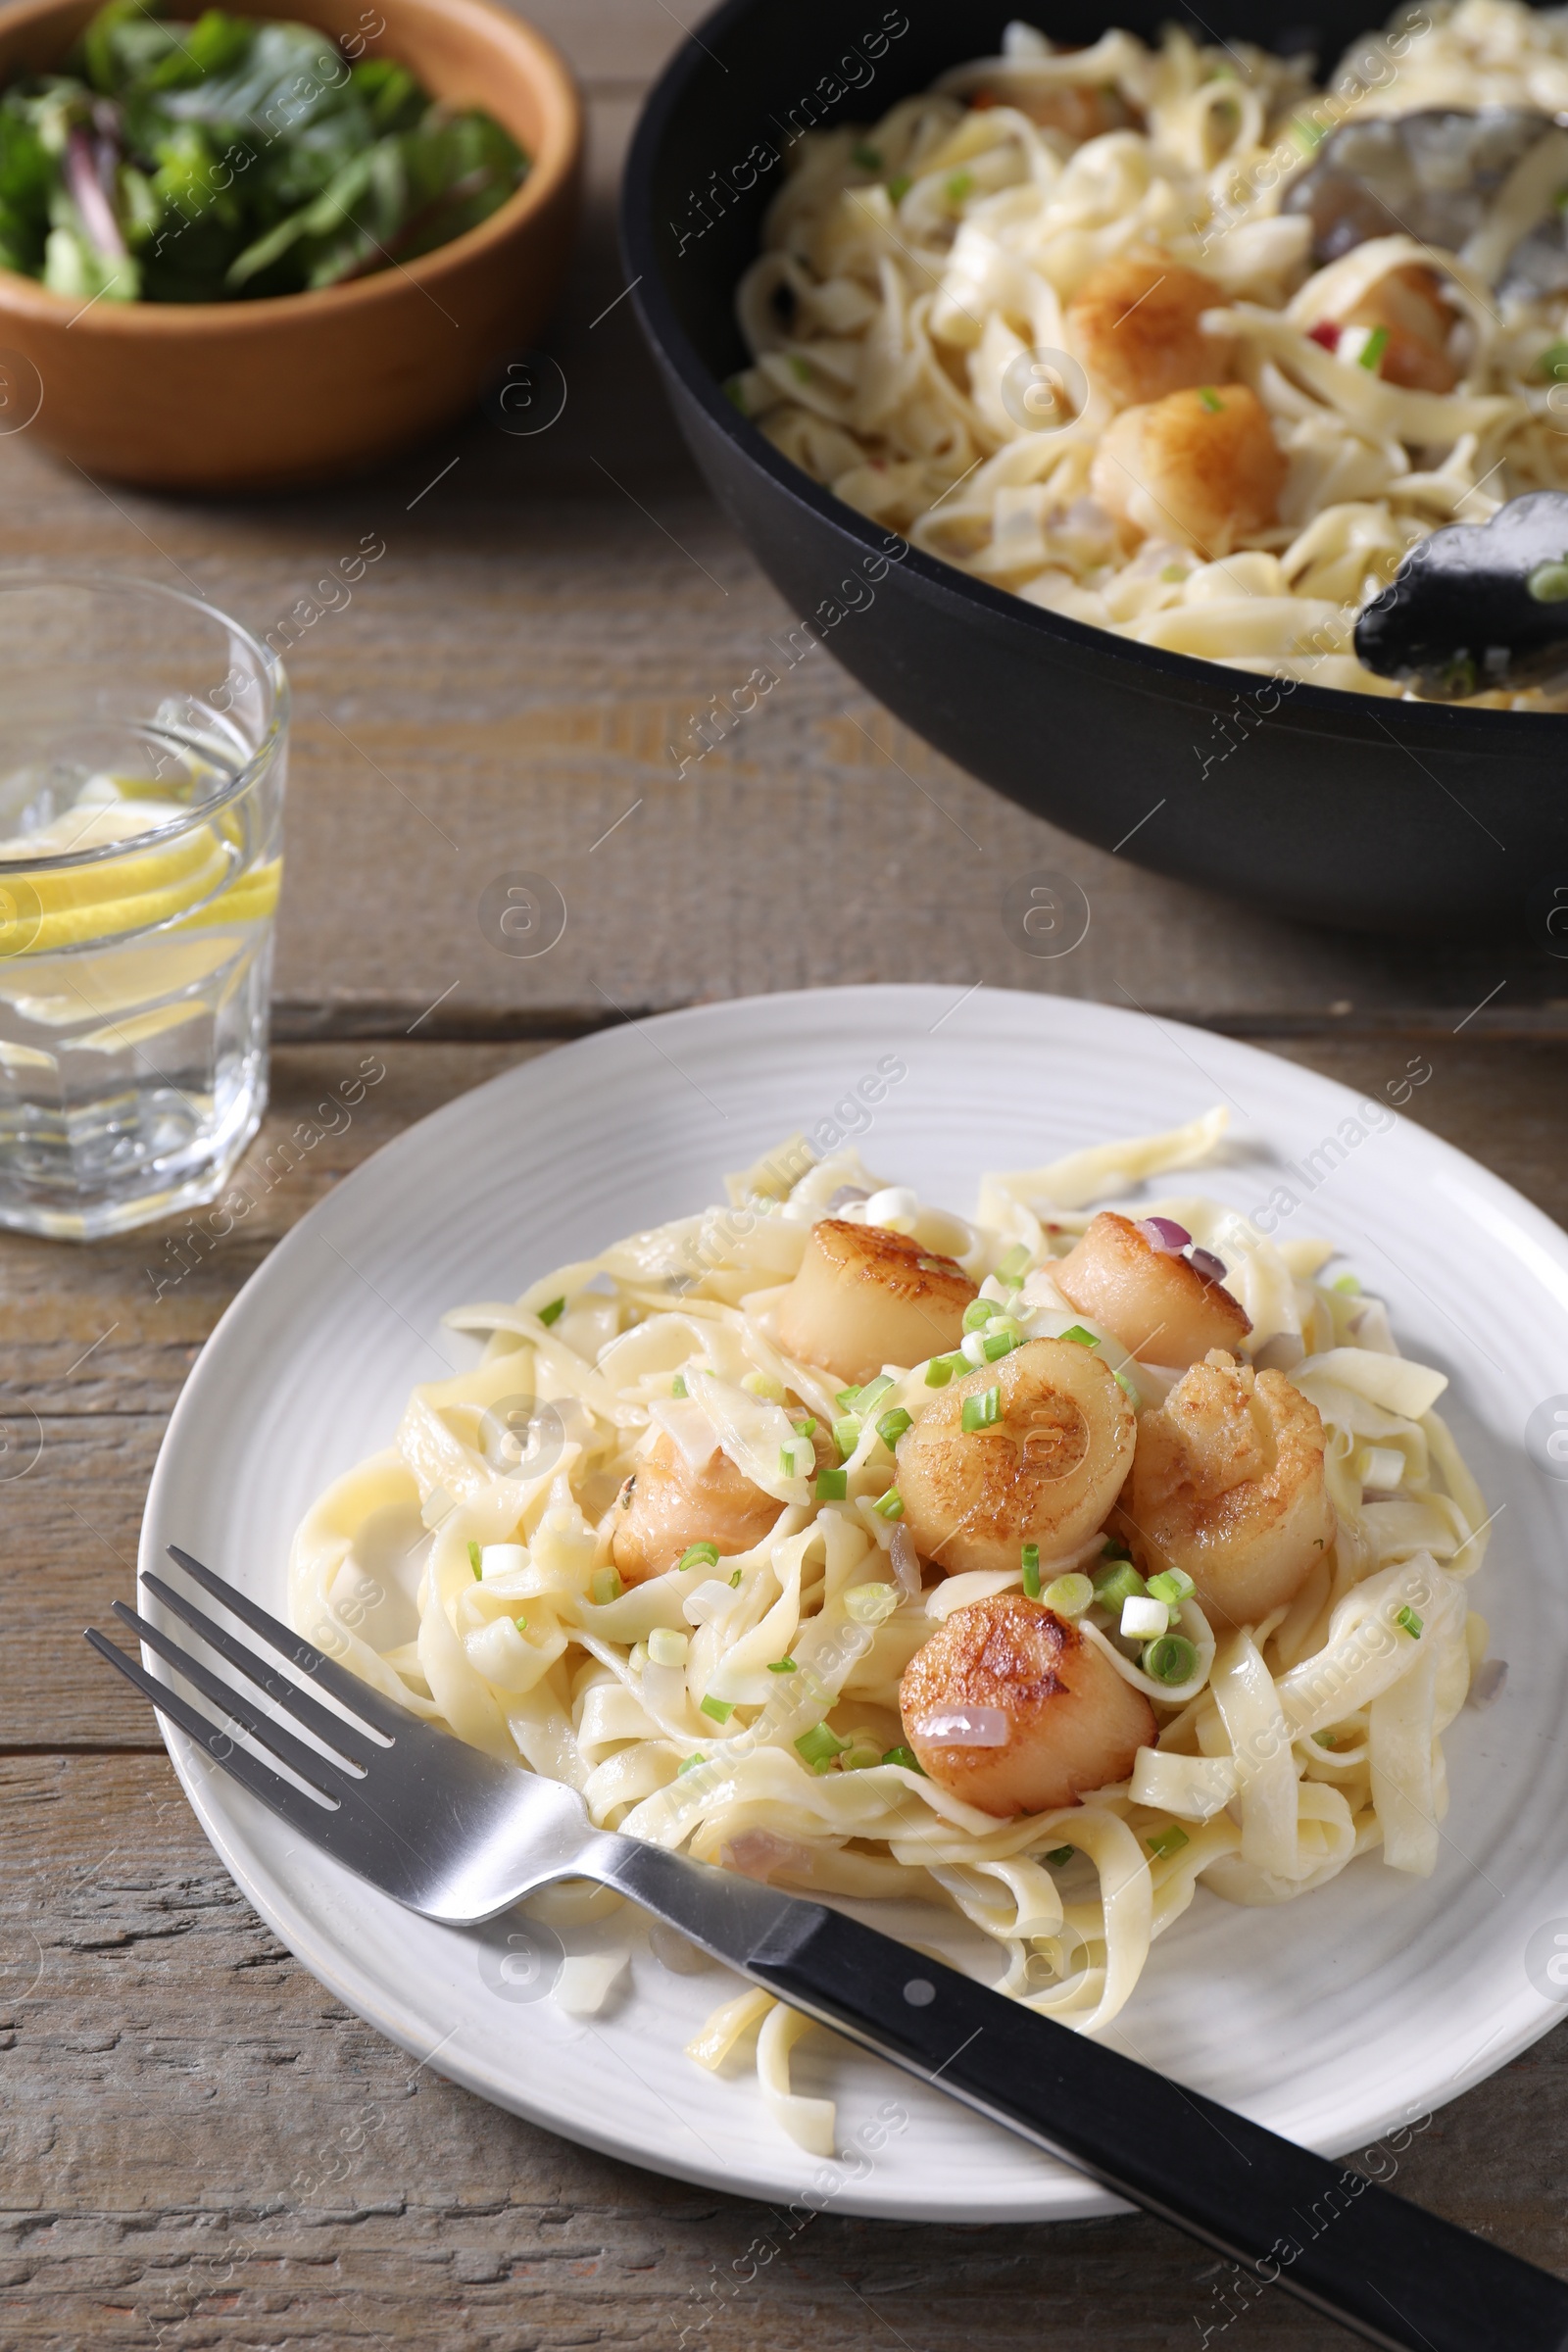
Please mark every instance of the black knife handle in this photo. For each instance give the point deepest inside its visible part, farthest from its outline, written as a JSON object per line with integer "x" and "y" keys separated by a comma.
{"x": 1401, "y": 2278}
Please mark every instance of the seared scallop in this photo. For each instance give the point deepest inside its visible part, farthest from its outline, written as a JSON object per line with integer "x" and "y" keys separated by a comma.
{"x": 865, "y": 1298}
{"x": 1053, "y": 1716}
{"x": 1228, "y": 1485}
{"x": 1046, "y": 1470}
{"x": 1200, "y": 466}
{"x": 1159, "y": 1305}
{"x": 666, "y": 1506}
{"x": 1134, "y": 324}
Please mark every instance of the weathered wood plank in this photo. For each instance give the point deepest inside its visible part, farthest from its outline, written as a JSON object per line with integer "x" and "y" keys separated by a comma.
{"x": 199, "y": 2148}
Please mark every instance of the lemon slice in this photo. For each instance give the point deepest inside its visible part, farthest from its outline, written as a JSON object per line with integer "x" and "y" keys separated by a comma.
{"x": 115, "y": 896}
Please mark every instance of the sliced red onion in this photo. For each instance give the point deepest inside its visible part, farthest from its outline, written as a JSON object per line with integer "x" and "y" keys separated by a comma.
{"x": 965, "y": 1726}
{"x": 905, "y": 1562}
{"x": 1165, "y": 1234}
{"x": 97, "y": 214}
{"x": 1204, "y": 1262}
{"x": 761, "y": 1853}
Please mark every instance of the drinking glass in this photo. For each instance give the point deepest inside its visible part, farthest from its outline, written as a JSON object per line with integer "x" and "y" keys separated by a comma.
{"x": 143, "y": 741}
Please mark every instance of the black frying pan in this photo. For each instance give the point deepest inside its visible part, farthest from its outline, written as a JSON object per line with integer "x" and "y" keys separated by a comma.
{"x": 1375, "y": 815}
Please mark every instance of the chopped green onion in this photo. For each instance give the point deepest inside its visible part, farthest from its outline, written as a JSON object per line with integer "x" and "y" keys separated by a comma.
{"x": 1170, "y": 1659}
{"x": 1114, "y": 1548}
{"x": 818, "y": 1747}
{"x": 1327, "y": 1738}
{"x": 552, "y": 1312}
{"x": 606, "y": 1587}
{"x": 872, "y": 1394}
{"x": 871, "y": 1604}
{"x": 764, "y": 1385}
{"x": 1370, "y": 354}
{"x": 846, "y": 1400}
{"x": 1212, "y": 400}
{"x": 721, "y": 1709}
{"x": 1172, "y": 1585}
{"x": 522, "y": 1624}
{"x": 799, "y": 368}
{"x": 1014, "y": 1266}
{"x": 1549, "y": 583}
{"x": 1168, "y": 1842}
{"x": 1173, "y": 571}
{"x": 690, "y": 1765}
{"x": 666, "y": 1648}
{"x": 808, "y": 1426}
{"x": 1309, "y": 135}
{"x": 782, "y": 1666}
{"x": 1410, "y": 1622}
{"x": 995, "y": 1344}
{"x": 1059, "y": 1855}
{"x": 1555, "y": 361}
{"x": 475, "y": 1561}
{"x": 1128, "y": 1388}
{"x": 789, "y": 1457}
{"x": 906, "y": 1757}
{"x": 1079, "y": 1336}
{"x": 845, "y": 1436}
{"x": 982, "y": 1411}
{"x": 698, "y": 1555}
{"x": 866, "y": 158}
{"x": 889, "y": 1506}
{"x": 978, "y": 1313}
{"x": 1069, "y": 1595}
{"x": 891, "y": 1426}
{"x": 1350, "y": 1284}
{"x": 1117, "y": 1585}
{"x": 899, "y": 186}
{"x": 677, "y": 1386}
{"x": 862, "y": 1755}
{"x": 734, "y": 1579}
{"x": 960, "y": 186}
{"x": 832, "y": 1486}
{"x": 940, "y": 1370}
{"x": 1030, "y": 1570}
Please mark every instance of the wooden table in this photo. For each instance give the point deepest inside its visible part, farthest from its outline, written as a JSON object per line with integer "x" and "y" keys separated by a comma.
{"x": 197, "y": 2145}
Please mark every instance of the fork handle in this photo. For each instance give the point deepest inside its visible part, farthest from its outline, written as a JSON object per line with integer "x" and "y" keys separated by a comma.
{"x": 1398, "y": 2276}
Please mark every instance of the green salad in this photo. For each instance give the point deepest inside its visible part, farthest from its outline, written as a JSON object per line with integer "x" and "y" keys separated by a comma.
{"x": 225, "y": 158}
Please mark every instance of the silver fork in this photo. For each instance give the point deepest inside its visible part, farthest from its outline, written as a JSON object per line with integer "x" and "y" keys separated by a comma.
{"x": 450, "y": 1834}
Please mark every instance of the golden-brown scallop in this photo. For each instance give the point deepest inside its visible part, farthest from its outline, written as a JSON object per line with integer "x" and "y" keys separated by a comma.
{"x": 666, "y": 1506}
{"x": 1045, "y": 1471}
{"x": 1228, "y": 1484}
{"x": 1201, "y": 465}
{"x": 1159, "y": 1306}
{"x": 1134, "y": 324}
{"x": 865, "y": 1298}
{"x": 1070, "y": 1722}
{"x": 1409, "y": 306}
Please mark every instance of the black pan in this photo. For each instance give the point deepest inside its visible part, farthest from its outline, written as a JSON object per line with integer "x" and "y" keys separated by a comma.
{"x": 1373, "y": 814}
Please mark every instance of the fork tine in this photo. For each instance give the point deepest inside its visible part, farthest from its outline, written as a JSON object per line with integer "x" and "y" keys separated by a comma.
{"x": 338, "y": 1731}
{"x": 309, "y": 1762}
{"x": 281, "y": 1796}
{"x": 398, "y": 1723}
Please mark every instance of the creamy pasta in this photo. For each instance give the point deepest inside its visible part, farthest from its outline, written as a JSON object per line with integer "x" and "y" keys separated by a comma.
{"x": 652, "y": 1548}
{"x": 1058, "y": 322}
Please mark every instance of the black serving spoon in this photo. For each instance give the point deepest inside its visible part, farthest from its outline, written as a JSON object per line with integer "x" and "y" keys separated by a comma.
{"x": 1477, "y": 606}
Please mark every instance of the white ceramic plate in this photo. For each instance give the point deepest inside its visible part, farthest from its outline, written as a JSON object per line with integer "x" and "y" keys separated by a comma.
{"x": 1330, "y": 2019}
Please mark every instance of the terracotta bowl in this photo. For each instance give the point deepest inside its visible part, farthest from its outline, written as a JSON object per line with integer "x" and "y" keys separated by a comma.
{"x": 259, "y": 395}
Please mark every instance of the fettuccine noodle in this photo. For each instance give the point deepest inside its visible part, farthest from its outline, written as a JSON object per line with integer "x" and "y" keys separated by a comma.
{"x": 913, "y": 268}
{"x": 744, "y": 1705}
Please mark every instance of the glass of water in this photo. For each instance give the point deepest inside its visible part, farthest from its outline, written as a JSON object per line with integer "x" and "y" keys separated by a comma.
{"x": 143, "y": 740}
